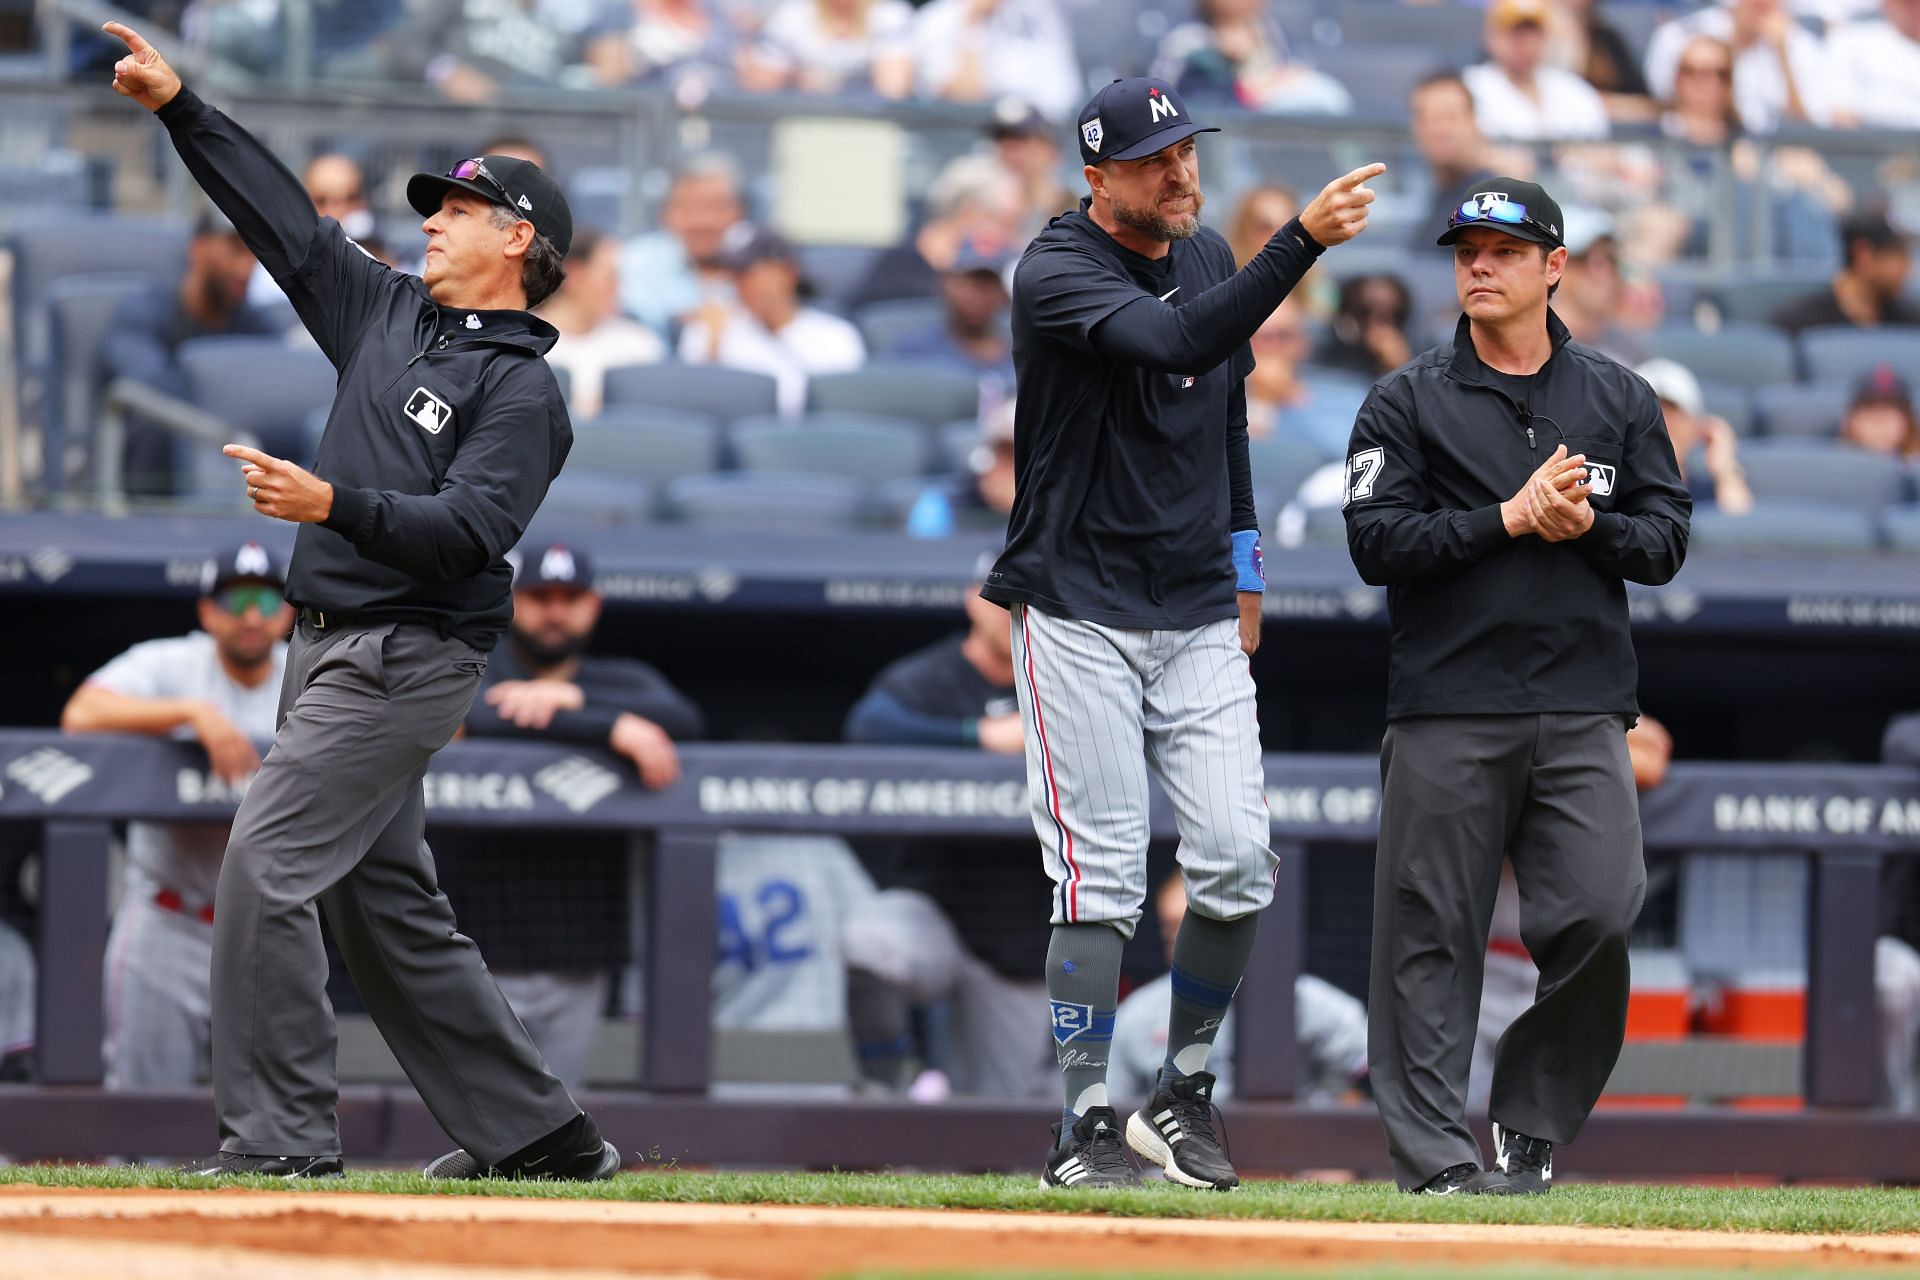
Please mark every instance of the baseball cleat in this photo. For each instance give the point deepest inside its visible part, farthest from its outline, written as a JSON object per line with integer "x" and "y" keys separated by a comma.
{"x": 1526, "y": 1162}
{"x": 232, "y": 1164}
{"x": 1465, "y": 1180}
{"x": 577, "y": 1153}
{"x": 1181, "y": 1131}
{"x": 1091, "y": 1156}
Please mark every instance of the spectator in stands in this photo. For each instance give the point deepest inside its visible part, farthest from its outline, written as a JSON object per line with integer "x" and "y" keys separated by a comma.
{"x": 1517, "y": 94}
{"x": 519, "y": 147}
{"x": 1584, "y": 43}
{"x": 1441, "y": 118}
{"x": 1866, "y": 291}
{"x": 1876, "y": 67}
{"x": 1780, "y": 71}
{"x": 553, "y": 918}
{"x": 1881, "y": 418}
{"x": 1330, "y": 1028}
{"x": 667, "y": 275}
{"x": 339, "y": 191}
{"x": 1285, "y": 399}
{"x": 254, "y": 37}
{"x": 470, "y": 49}
{"x": 1704, "y": 444}
{"x": 655, "y": 40}
{"x": 1592, "y": 290}
{"x": 594, "y": 336}
{"x": 972, "y": 200}
{"x": 832, "y": 46}
{"x": 974, "y": 331}
{"x": 1029, "y": 148}
{"x": 956, "y": 692}
{"x": 1260, "y": 212}
{"x": 1700, "y": 108}
{"x": 1236, "y": 55}
{"x": 980, "y": 500}
{"x": 1369, "y": 333}
{"x": 976, "y": 50}
{"x": 767, "y": 327}
{"x": 143, "y": 342}
{"x": 219, "y": 686}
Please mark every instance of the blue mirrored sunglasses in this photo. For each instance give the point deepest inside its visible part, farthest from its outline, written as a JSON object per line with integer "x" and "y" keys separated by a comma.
{"x": 1505, "y": 212}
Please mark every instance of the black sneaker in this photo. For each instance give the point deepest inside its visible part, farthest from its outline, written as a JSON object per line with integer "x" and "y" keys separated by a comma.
{"x": 1181, "y": 1131}
{"x": 1464, "y": 1180}
{"x": 575, "y": 1152}
{"x": 231, "y": 1164}
{"x": 1092, "y": 1155}
{"x": 1526, "y": 1162}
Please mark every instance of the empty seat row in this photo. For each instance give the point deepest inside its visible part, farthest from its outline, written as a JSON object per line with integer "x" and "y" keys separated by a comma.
{"x": 1751, "y": 356}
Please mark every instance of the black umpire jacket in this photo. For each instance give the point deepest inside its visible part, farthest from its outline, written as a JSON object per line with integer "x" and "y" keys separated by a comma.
{"x": 1483, "y": 623}
{"x": 447, "y": 425}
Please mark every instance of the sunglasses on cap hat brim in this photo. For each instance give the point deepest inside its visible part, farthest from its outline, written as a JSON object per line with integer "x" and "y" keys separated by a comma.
{"x": 1509, "y": 216}
{"x": 426, "y": 193}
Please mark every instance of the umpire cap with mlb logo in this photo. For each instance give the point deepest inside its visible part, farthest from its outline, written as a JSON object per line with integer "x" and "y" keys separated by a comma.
{"x": 1133, "y": 118}
{"x": 558, "y": 564}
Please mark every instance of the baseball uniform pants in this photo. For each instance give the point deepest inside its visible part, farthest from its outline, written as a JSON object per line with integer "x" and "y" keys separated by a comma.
{"x": 156, "y": 997}
{"x": 1555, "y": 794}
{"x": 562, "y": 1013}
{"x": 334, "y": 819}
{"x": 1101, "y": 705}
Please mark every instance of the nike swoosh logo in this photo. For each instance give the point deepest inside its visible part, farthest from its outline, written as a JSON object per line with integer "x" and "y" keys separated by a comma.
{"x": 1169, "y": 293}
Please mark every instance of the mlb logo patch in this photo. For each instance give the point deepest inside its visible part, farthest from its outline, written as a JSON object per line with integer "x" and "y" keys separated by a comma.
{"x": 428, "y": 411}
{"x": 1092, "y": 134}
{"x": 1600, "y": 477}
{"x": 1070, "y": 1020}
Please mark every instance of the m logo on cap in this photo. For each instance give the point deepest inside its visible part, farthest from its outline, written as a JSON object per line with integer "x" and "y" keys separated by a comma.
{"x": 252, "y": 562}
{"x": 1160, "y": 106}
{"x": 557, "y": 565}
{"x": 1092, "y": 133}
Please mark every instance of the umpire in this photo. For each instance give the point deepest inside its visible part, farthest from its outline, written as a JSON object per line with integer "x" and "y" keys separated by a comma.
{"x": 447, "y": 427}
{"x": 1505, "y": 487}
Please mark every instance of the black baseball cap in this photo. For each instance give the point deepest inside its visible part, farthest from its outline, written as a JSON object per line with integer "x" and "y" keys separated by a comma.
{"x": 558, "y": 564}
{"x": 1522, "y": 209}
{"x": 1882, "y": 385}
{"x": 519, "y": 185}
{"x": 245, "y": 562}
{"x": 1133, "y": 118}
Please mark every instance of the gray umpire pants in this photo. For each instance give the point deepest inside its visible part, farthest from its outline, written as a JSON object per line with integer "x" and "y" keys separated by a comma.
{"x": 1554, "y": 793}
{"x": 335, "y": 818}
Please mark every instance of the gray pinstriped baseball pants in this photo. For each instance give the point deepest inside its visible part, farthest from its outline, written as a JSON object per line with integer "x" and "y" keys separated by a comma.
{"x": 1101, "y": 705}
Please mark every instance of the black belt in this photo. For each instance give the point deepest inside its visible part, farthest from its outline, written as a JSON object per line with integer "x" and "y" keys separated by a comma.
{"x": 325, "y": 619}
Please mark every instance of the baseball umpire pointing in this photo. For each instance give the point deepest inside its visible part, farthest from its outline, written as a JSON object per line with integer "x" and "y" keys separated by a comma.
{"x": 1505, "y": 487}
{"x": 447, "y": 427}
{"x": 1133, "y": 527}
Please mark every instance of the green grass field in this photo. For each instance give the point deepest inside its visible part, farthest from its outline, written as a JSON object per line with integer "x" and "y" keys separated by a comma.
{"x": 1863, "y": 1210}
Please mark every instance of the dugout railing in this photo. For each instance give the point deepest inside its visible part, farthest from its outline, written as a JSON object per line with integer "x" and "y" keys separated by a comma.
{"x": 1843, "y": 819}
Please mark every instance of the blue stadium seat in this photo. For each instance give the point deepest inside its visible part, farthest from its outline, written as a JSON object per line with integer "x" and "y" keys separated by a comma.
{"x": 835, "y": 271}
{"x": 50, "y": 247}
{"x": 1845, "y": 354}
{"x": 603, "y": 499}
{"x": 1901, "y": 525}
{"x": 655, "y": 445}
{"x": 956, "y": 442}
{"x": 1753, "y": 299}
{"x": 871, "y": 450}
{"x": 260, "y": 386}
{"x": 1737, "y": 355}
{"x": 1816, "y": 471}
{"x": 1282, "y": 463}
{"x": 925, "y": 391}
{"x": 883, "y": 324}
{"x": 1379, "y": 76}
{"x": 708, "y": 389}
{"x": 1450, "y": 31}
{"x": 80, "y": 310}
{"x": 1732, "y": 403}
{"x": 1786, "y": 525}
{"x": 1812, "y": 411}
{"x": 767, "y": 503}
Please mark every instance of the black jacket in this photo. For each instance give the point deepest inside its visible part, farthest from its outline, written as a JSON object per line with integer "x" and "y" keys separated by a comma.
{"x": 447, "y": 426}
{"x": 1487, "y": 624}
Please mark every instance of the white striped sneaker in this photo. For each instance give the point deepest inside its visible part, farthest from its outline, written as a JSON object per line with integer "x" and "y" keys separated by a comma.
{"x": 1092, "y": 1155}
{"x": 1181, "y": 1131}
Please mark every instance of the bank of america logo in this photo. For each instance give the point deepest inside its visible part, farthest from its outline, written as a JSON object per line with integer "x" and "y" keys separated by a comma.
{"x": 49, "y": 773}
{"x": 577, "y": 782}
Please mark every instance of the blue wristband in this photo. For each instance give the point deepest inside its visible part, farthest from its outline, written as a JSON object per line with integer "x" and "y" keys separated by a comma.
{"x": 1247, "y": 566}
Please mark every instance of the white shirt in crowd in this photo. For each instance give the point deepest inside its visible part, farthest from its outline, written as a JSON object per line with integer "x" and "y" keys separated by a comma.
{"x": 1568, "y": 107}
{"x": 185, "y": 857}
{"x": 1759, "y": 82}
{"x": 1876, "y": 74}
{"x": 587, "y": 356}
{"x": 812, "y": 342}
{"x": 1024, "y": 47}
{"x": 795, "y": 36}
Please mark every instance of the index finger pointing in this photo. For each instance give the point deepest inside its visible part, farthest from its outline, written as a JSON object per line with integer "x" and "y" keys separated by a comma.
{"x": 134, "y": 40}
{"x": 1358, "y": 176}
{"x": 242, "y": 452}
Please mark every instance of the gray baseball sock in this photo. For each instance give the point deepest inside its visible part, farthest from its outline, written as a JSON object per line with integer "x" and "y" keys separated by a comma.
{"x": 1208, "y": 958}
{"x": 1083, "y": 982}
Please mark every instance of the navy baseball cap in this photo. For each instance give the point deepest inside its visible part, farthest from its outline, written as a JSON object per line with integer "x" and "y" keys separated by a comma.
{"x": 1133, "y": 118}
{"x": 557, "y": 564}
{"x": 511, "y": 183}
{"x": 247, "y": 562}
{"x": 1522, "y": 209}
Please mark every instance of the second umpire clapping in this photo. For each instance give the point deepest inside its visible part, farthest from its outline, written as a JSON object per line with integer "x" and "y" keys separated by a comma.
{"x": 1505, "y": 487}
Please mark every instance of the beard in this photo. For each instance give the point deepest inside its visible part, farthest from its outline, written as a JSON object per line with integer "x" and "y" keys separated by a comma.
{"x": 1149, "y": 221}
{"x": 545, "y": 651}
